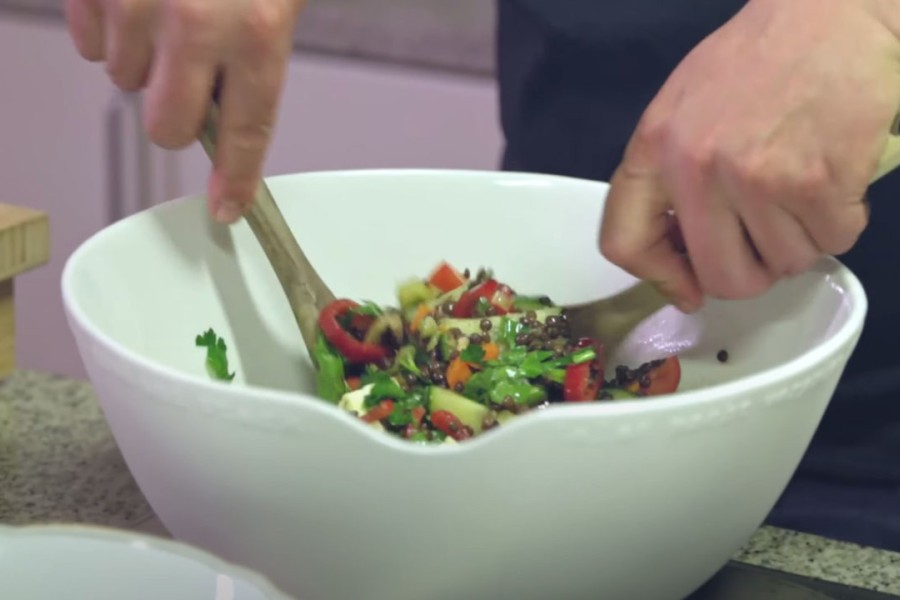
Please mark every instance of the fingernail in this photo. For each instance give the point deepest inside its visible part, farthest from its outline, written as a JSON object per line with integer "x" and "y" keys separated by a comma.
{"x": 228, "y": 211}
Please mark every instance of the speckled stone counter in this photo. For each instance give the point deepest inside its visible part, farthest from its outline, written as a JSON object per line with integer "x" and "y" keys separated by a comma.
{"x": 456, "y": 35}
{"x": 58, "y": 462}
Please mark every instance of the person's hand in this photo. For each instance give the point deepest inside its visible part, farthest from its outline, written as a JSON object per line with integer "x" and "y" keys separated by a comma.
{"x": 762, "y": 142}
{"x": 176, "y": 49}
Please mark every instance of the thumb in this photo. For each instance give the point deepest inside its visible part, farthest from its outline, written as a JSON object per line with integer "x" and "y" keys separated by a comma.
{"x": 640, "y": 235}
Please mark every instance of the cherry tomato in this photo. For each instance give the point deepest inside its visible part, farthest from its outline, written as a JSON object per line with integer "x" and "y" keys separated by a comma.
{"x": 380, "y": 411}
{"x": 584, "y": 380}
{"x": 447, "y": 422}
{"x": 664, "y": 378}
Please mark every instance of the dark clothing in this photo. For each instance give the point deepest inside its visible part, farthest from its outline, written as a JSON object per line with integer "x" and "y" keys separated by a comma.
{"x": 575, "y": 76}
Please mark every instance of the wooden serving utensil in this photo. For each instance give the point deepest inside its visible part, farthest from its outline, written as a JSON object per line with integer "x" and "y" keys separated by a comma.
{"x": 612, "y": 319}
{"x": 306, "y": 293}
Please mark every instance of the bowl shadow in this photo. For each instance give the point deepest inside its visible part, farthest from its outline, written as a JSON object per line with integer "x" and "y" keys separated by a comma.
{"x": 264, "y": 360}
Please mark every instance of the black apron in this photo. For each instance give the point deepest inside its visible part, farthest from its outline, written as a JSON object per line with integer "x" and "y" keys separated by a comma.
{"x": 575, "y": 76}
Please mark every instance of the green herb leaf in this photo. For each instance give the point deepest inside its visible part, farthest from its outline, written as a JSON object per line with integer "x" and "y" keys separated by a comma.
{"x": 402, "y": 414}
{"x": 330, "y": 382}
{"x": 556, "y": 375}
{"x": 369, "y": 309}
{"x": 383, "y": 386}
{"x": 406, "y": 360}
{"x": 520, "y": 390}
{"x": 473, "y": 353}
{"x": 495, "y": 384}
{"x": 533, "y": 365}
{"x": 216, "y": 354}
{"x": 482, "y": 307}
{"x": 582, "y": 355}
{"x": 507, "y": 331}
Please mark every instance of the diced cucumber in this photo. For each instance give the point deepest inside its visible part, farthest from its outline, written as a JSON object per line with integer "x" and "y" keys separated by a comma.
{"x": 469, "y": 412}
{"x": 449, "y": 345}
{"x": 413, "y": 292}
{"x": 504, "y": 416}
{"x": 620, "y": 394}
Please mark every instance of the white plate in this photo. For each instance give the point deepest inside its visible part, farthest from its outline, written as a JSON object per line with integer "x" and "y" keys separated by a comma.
{"x": 72, "y": 562}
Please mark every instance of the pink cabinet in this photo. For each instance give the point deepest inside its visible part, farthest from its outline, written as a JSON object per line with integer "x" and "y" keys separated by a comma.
{"x": 54, "y": 108}
{"x": 346, "y": 114}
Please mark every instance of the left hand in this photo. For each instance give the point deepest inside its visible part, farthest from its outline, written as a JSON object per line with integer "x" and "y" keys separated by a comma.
{"x": 762, "y": 142}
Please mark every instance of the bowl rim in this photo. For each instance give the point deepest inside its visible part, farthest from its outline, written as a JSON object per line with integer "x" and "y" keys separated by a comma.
{"x": 832, "y": 269}
{"x": 124, "y": 538}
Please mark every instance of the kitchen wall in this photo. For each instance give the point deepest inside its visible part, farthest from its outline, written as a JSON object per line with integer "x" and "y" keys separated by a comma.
{"x": 373, "y": 83}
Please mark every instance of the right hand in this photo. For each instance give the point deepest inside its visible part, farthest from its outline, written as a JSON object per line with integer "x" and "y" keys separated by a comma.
{"x": 176, "y": 49}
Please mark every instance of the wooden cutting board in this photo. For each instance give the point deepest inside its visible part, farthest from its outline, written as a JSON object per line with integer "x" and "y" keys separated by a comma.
{"x": 24, "y": 245}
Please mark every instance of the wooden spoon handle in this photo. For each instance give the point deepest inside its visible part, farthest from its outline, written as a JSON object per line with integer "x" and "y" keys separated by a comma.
{"x": 307, "y": 294}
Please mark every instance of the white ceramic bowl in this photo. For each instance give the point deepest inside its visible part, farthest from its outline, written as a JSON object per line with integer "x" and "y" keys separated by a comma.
{"x": 52, "y": 562}
{"x": 636, "y": 500}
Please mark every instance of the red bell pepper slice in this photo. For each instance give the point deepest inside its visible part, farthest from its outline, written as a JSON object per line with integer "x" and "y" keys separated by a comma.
{"x": 664, "y": 378}
{"x": 380, "y": 411}
{"x": 354, "y": 350}
{"x": 446, "y": 278}
{"x": 584, "y": 380}
{"x": 465, "y": 306}
{"x": 449, "y": 424}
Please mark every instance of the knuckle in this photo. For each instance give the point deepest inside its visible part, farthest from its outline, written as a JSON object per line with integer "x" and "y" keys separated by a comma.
{"x": 617, "y": 249}
{"x": 166, "y": 133}
{"x": 755, "y": 172}
{"x": 701, "y": 154}
{"x": 265, "y": 23}
{"x": 250, "y": 140}
{"x": 814, "y": 181}
{"x": 651, "y": 134}
{"x": 654, "y": 129}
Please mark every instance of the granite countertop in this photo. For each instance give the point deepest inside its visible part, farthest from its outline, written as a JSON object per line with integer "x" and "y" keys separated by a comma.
{"x": 455, "y": 35}
{"x": 59, "y": 462}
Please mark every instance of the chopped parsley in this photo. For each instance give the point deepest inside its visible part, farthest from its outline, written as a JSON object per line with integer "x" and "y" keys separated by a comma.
{"x": 216, "y": 355}
{"x": 330, "y": 382}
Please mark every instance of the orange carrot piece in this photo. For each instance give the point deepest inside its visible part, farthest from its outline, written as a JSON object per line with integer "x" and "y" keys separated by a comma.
{"x": 491, "y": 351}
{"x": 458, "y": 371}
{"x": 421, "y": 312}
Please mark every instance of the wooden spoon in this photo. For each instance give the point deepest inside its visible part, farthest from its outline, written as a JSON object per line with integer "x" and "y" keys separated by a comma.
{"x": 306, "y": 293}
{"x": 613, "y": 318}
